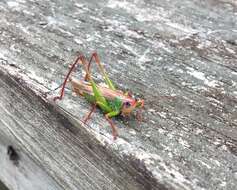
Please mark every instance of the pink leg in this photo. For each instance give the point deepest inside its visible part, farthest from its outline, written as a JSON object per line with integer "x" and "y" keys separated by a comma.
{"x": 94, "y": 55}
{"x": 139, "y": 116}
{"x": 89, "y": 114}
{"x": 80, "y": 58}
{"x": 114, "y": 130}
{"x": 97, "y": 60}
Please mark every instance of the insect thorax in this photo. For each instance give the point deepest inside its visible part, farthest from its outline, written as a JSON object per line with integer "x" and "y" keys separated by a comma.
{"x": 116, "y": 104}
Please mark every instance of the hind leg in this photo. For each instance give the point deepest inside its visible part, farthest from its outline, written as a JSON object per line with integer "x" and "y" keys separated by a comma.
{"x": 95, "y": 56}
{"x": 80, "y": 58}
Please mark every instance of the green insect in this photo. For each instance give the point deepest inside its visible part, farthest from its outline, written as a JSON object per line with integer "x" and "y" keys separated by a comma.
{"x": 111, "y": 101}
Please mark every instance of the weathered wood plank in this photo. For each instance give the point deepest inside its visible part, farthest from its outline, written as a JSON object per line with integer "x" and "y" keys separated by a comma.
{"x": 22, "y": 173}
{"x": 185, "y": 49}
{"x": 69, "y": 155}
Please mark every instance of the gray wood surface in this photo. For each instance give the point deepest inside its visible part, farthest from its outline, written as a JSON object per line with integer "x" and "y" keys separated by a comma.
{"x": 180, "y": 56}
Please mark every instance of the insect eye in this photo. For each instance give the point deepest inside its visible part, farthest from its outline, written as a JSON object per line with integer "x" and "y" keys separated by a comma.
{"x": 127, "y": 104}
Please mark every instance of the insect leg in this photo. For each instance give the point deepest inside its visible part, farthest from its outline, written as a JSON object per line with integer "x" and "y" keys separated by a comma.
{"x": 113, "y": 127}
{"x": 80, "y": 58}
{"x": 110, "y": 113}
{"x": 89, "y": 114}
{"x": 139, "y": 116}
{"x": 102, "y": 70}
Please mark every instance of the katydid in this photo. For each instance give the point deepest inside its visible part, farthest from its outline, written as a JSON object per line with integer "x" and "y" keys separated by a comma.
{"x": 111, "y": 101}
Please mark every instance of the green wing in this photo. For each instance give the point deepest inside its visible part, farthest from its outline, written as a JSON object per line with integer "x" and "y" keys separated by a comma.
{"x": 100, "y": 99}
{"x": 97, "y": 93}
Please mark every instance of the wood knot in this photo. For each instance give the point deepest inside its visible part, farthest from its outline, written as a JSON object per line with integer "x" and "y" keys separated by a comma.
{"x": 13, "y": 155}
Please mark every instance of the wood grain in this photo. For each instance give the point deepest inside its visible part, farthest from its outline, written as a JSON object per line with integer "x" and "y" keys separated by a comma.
{"x": 179, "y": 56}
